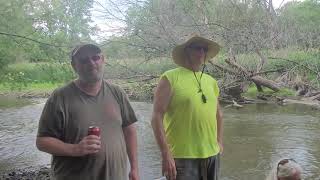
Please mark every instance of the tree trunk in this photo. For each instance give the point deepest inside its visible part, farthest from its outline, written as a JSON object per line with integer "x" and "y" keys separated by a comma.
{"x": 265, "y": 82}
{"x": 259, "y": 88}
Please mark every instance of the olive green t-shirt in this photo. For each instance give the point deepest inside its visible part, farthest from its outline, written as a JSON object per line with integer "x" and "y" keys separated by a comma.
{"x": 67, "y": 115}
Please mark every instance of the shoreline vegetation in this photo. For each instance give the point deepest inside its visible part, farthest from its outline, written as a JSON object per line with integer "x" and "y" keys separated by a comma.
{"x": 280, "y": 81}
{"x": 268, "y": 54}
{"x": 144, "y": 92}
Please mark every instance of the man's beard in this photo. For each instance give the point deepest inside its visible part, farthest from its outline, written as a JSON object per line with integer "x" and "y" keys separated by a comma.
{"x": 92, "y": 78}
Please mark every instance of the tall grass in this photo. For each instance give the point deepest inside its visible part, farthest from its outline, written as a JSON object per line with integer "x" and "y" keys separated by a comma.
{"x": 26, "y": 75}
{"x": 253, "y": 92}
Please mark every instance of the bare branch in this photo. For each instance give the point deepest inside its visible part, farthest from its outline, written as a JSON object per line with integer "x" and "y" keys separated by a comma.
{"x": 263, "y": 60}
{"x": 299, "y": 64}
{"x": 30, "y": 39}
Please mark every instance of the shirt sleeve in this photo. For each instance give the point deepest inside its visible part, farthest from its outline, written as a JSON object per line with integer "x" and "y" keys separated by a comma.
{"x": 216, "y": 89}
{"x": 51, "y": 119}
{"x": 127, "y": 113}
{"x": 168, "y": 76}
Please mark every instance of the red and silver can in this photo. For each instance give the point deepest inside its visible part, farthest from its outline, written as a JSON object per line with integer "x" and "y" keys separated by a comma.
{"x": 94, "y": 130}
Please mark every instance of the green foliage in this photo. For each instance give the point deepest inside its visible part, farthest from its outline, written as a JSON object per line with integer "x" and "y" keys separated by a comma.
{"x": 299, "y": 62}
{"x": 301, "y": 20}
{"x": 15, "y": 20}
{"x": 55, "y": 26}
{"x": 31, "y": 87}
{"x": 20, "y": 76}
{"x": 284, "y": 92}
{"x": 124, "y": 48}
{"x": 152, "y": 29}
{"x": 68, "y": 21}
{"x": 17, "y": 80}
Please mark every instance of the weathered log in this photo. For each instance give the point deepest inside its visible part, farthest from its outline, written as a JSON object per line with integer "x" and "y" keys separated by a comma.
{"x": 265, "y": 82}
{"x": 258, "y": 80}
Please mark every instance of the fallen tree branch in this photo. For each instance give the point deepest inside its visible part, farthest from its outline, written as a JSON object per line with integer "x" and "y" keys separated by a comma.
{"x": 265, "y": 82}
{"x": 30, "y": 39}
{"x": 235, "y": 104}
{"x": 222, "y": 68}
{"x": 263, "y": 60}
{"x": 237, "y": 66}
{"x": 266, "y": 72}
{"x": 140, "y": 76}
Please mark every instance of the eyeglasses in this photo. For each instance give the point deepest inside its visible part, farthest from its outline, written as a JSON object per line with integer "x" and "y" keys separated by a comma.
{"x": 86, "y": 60}
{"x": 283, "y": 162}
{"x": 199, "y": 48}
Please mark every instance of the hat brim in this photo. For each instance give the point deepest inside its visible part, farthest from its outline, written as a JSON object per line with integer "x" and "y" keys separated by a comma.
{"x": 179, "y": 55}
{"x": 84, "y": 48}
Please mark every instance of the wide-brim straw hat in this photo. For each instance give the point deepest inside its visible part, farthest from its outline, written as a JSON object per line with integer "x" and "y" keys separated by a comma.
{"x": 179, "y": 55}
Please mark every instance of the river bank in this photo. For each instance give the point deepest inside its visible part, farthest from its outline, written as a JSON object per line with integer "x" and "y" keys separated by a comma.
{"x": 144, "y": 92}
{"x": 136, "y": 91}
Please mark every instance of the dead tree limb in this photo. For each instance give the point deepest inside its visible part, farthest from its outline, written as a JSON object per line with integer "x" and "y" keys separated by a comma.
{"x": 263, "y": 60}
{"x": 30, "y": 39}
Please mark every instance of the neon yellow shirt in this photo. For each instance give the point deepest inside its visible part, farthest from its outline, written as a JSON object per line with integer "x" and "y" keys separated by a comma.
{"x": 191, "y": 125}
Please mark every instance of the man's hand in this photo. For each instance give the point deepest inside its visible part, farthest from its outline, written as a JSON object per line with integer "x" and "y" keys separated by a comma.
{"x": 88, "y": 145}
{"x": 169, "y": 166}
{"x": 134, "y": 174}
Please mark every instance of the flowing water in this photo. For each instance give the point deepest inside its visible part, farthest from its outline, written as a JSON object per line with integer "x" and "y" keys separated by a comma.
{"x": 255, "y": 138}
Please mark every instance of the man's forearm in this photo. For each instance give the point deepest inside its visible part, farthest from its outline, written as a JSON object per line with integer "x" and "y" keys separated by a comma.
{"x": 158, "y": 130}
{"x": 130, "y": 135}
{"x": 55, "y": 146}
{"x": 219, "y": 124}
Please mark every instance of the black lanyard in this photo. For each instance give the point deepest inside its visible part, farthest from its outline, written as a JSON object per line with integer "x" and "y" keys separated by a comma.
{"x": 204, "y": 98}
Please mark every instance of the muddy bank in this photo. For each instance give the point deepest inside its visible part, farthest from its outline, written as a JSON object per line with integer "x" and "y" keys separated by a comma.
{"x": 133, "y": 93}
{"x": 30, "y": 173}
{"x": 145, "y": 93}
{"x": 239, "y": 103}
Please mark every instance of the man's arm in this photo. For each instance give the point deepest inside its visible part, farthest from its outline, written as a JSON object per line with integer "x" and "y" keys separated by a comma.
{"x": 130, "y": 136}
{"x": 162, "y": 99}
{"x": 219, "y": 127}
{"x": 88, "y": 145}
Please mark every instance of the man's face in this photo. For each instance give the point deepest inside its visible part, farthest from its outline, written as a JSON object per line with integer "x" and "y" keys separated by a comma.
{"x": 197, "y": 52}
{"x": 89, "y": 66}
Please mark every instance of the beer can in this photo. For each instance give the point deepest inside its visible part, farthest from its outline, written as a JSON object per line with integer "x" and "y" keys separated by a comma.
{"x": 94, "y": 130}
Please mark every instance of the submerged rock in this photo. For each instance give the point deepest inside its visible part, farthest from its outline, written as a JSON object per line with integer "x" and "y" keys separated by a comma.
{"x": 30, "y": 173}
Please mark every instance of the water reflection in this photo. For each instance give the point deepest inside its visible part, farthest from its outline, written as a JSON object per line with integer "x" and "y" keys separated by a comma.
{"x": 258, "y": 135}
{"x": 255, "y": 137}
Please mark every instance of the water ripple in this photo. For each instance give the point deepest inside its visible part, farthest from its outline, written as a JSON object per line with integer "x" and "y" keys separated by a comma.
{"x": 255, "y": 138}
